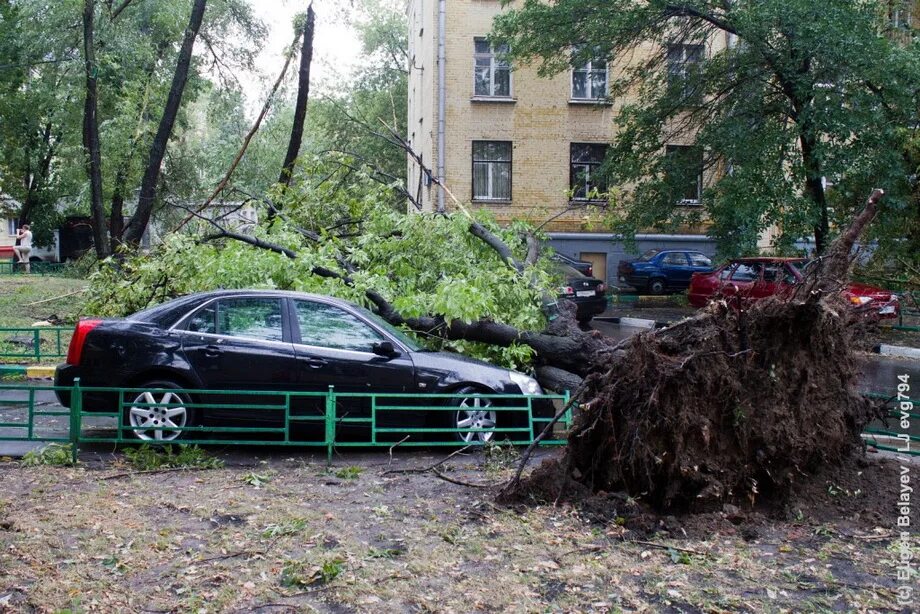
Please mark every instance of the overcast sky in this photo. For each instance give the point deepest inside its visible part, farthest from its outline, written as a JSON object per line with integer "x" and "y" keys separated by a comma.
{"x": 336, "y": 49}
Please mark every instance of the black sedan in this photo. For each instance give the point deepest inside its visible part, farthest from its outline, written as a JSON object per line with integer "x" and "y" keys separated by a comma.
{"x": 588, "y": 293}
{"x": 272, "y": 340}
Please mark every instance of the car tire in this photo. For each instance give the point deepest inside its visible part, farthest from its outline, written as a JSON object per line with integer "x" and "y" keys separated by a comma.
{"x": 472, "y": 412}
{"x": 656, "y": 286}
{"x": 135, "y": 418}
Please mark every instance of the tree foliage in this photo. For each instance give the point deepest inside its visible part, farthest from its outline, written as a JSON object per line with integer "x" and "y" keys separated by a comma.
{"x": 421, "y": 264}
{"x": 794, "y": 95}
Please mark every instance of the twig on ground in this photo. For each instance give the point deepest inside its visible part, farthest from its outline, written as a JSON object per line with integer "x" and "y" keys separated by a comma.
{"x": 666, "y": 547}
{"x": 394, "y": 446}
{"x": 56, "y": 298}
{"x": 146, "y": 472}
{"x": 461, "y": 482}
{"x": 431, "y": 467}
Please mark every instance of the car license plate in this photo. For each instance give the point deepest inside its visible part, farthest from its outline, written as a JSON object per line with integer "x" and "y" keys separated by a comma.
{"x": 585, "y": 293}
{"x": 882, "y": 311}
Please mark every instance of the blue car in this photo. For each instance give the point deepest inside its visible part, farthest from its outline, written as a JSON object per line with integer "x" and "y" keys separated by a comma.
{"x": 659, "y": 272}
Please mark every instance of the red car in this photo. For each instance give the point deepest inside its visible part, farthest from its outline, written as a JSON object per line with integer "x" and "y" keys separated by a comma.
{"x": 755, "y": 278}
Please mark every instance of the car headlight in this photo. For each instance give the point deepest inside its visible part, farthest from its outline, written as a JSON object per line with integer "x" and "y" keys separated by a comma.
{"x": 527, "y": 384}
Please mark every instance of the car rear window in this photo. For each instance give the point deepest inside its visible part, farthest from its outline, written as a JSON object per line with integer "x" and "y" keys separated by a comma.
{"x": 697, "y": 259}
{"x": 649, "y": 255}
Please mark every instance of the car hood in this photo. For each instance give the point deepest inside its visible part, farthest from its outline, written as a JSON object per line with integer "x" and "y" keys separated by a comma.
{"x": 451, "y": 360}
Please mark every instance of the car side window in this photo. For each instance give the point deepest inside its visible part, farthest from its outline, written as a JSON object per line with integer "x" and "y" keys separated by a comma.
{"x": 789, "y": 277}
{"x": 697, "y": 259}
{"x": 771, "y": 272}
{"x": 328, "y": 326}
{"x": 204, "y": 321}
{"x": 675, "y": 259}
{"x": 745, "y": 272}
{"x": 727, "y": 271}
{"x": 251, "y": 318}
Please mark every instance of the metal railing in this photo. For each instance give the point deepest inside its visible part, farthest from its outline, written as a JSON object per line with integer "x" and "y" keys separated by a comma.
{"x": 11, "y": 267}
{"x": 290, "y": 418}
{"x": 31, "y": 340}
{"x": 326, "y": 420}
{"x": 902, "y": 441}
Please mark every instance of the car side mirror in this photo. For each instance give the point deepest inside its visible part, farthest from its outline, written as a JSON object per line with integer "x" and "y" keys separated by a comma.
{"x": 385, "y": 349}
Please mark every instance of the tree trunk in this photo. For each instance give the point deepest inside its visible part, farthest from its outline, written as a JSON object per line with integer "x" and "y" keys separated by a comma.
{"x": 814, "y": 187}
{"x": 141, "y": 218}
{"x": 36, "y": 182}
{"x": 91, "y": 143}
{"x": 303, "y": 95}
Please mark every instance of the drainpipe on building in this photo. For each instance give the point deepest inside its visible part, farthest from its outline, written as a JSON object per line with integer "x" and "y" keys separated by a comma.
{"x": 442, "y": 94}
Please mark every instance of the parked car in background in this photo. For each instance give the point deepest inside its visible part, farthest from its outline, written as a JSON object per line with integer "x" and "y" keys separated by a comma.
{"x": 583, "y": 267}
{"x": 658, "y": 272}
{"x": 588, "y": 293}
{"x": 273, "y": 340}
{"x": 752, "y": 279}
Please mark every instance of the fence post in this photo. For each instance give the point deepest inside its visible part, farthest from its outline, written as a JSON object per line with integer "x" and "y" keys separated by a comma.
{"x": 37, "y": 344}
{"x": 76, "y": 411}
{"x": 330, "y": 423}
{"x": 566, "y": 419}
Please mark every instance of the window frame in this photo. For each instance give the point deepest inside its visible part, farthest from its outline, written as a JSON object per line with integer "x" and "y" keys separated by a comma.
{"x": 298, "y": 338}
{"x": 509, "y": 162}
{"x": 595, "y": 165}
{"x": 677, "y": 80}
{"x": 494, "y": 64}
{"x": 588, "y": 68}
{"x": 699, "y": 178}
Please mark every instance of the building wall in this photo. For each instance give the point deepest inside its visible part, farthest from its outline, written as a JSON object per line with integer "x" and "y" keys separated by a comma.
{"x": 540, "y": 119}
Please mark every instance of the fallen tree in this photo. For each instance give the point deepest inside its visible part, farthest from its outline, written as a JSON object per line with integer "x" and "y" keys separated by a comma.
{"x": 732, "y": 405}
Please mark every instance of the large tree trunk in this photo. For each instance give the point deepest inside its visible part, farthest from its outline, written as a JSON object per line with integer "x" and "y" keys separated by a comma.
{"x": 35, "y": 182}
{"x": 91, "y": 142}
{"x": 141, "y": 218}
{"x": 303, "y": 95}
{"x": 814, "y": 188}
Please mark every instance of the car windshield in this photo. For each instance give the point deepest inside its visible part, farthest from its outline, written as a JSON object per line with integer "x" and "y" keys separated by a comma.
{"x": 405, "y": 339}
{"x": 649, "y": 255}
{"x": 570, "y": 272}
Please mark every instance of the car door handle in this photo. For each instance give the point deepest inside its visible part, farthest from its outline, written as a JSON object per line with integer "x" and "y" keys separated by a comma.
{"x": 314, "y": 363}
{"x": 212, "y": 351}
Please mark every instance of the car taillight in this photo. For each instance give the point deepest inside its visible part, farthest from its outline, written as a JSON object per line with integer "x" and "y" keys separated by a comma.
{"x": 567, "y": 290}
{"x": 601, "y": 288}
{"x": 590, "y": 271}
{"x": 75, "y": 351}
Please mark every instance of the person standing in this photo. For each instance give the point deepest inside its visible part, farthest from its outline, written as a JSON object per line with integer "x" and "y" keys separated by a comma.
{"x": 24, "y": 249}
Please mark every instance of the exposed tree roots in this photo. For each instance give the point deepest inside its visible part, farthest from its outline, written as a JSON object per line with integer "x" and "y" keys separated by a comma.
{"x": 729, "y": 406}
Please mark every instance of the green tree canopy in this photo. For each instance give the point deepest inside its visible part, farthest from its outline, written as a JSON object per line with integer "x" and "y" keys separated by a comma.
{"x": 799, "y": 108}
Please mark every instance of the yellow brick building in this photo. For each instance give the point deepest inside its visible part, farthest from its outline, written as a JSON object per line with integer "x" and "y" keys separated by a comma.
{"x": 522, "y": 146}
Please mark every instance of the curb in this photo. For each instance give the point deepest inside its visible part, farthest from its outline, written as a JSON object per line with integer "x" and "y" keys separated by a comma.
{"x": 28, "y": 372}
{"x": 898, "y": 351}
{"x": 632, "y": 322}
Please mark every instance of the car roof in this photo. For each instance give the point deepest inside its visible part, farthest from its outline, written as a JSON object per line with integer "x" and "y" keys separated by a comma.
{"x": 766, "y": 259}
{"x": 163, "y": 313}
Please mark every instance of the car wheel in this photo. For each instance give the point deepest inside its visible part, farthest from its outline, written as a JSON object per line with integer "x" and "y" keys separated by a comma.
{"x": 656, "y": 286}
{"x": 139, "y": 415}
{"x": 473, "y": 412}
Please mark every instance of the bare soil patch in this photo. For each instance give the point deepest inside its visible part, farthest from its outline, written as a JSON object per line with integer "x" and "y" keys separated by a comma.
{"x": 352, "y": 538}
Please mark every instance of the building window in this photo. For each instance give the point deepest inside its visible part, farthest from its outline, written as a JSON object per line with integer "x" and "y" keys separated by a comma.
{"x": 492, "y": 76}
{"x": 12, "y": 226}
{"x": 899, "y": 13}
{"x": 683, "y": 61}
{"x": 684, "y": 173}
{"x": 585, "y": 178}
{"x": 492, "y": 170}
{"x": 589, "y": 80}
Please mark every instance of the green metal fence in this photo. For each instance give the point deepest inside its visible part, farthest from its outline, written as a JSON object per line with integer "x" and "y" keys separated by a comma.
{"x": 903, "y": 440}
{"x": 35, "y": 344}
{"x": 297, "y": 419}
{"x": 317, "y": 419}
{"x": 11, "y": 267}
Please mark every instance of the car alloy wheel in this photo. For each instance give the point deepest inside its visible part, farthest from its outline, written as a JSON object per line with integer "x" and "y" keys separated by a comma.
{"x": 475, "y": 413}
{"x": 656, "y": 286}
{"x": 142, "y": 413}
